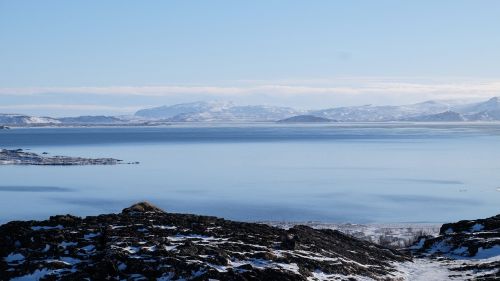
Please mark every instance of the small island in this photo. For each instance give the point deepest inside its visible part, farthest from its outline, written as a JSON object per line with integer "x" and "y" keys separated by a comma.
{"x": 21, "y": 157}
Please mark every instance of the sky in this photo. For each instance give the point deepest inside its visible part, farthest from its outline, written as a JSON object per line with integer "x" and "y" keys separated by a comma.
{"x": 64, "y": 58}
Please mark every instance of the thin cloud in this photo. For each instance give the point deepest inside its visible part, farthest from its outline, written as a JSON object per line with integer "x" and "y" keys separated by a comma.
{"x": 300, "y": 94}
{"x": 95, "y": 107}
{"x": 351, "y": 86}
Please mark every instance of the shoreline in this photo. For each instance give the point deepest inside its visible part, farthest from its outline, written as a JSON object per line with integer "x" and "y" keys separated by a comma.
{"x": 263, "y": 123}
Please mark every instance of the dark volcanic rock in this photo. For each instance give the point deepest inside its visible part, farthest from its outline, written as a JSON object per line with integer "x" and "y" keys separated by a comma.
{"x": 21, "y": 157}
{"x": 146, "y": 243}
{"x": 468, "y": 226}
{"x": 142, "y": 207}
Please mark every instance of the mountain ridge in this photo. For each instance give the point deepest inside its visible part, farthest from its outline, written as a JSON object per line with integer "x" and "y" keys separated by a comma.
{"x": 225, "y": 111}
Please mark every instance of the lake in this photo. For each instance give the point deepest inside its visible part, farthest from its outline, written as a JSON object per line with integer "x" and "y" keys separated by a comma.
{"x": 359, "y": 173}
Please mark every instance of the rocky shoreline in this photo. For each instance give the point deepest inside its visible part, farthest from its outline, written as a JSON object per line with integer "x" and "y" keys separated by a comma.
{"x": 21, "y": 157}
{"x": 144, "y": 242}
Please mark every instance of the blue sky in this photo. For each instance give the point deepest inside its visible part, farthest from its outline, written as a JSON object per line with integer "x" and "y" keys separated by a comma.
{"x": 111, "y": 57}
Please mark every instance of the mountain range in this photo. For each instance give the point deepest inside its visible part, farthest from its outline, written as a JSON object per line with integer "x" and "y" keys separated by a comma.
{"x": 222, "y": 111}
{"x": 429, "y": 111}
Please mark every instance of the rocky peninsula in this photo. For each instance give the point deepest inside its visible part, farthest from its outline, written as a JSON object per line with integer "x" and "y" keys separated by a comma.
{"x": 21, "y": 157}
{"x": 144, "y": 242}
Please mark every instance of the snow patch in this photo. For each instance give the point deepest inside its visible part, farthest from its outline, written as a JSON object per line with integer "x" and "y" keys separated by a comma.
{"x": 477, "y": 227}
{"x": 14, "y": 257}
{"x": 169, "y": 227}
{"x": 88, "y": 248}
{"x": 91, "y": 235}
{"x": 37, "y": 228}
{"x": 423, "y": 270}
{"x": 35, "y": 276}
{"x": 419, "y": 245}
{"x": 70, "y": 260}
{"x": 65, "y": 244}
{"x": 488, "y": 253}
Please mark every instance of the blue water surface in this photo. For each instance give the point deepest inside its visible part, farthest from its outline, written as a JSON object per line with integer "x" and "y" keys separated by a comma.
{"x": 356, "y": 173}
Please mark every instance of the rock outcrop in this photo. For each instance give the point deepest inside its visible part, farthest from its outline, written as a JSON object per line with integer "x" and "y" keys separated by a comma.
{"x": 142, "y": 207}
{"x": 145, "y": 243}
{"x": 21, "y": 157}
{"x": 473, "y": 245}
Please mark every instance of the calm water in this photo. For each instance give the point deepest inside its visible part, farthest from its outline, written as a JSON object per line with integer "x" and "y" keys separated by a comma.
{"x": 332, "y": 173}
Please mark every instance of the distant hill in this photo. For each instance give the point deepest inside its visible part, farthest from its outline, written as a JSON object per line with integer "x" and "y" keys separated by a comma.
{"x": 90, "y": 120}
{"x": 370, "y": 113}
{"x": 492, "y": 104}
{"x": 488, "y": 115}
{"x": 19, "y": 119}
{"x": 217, "y": 112}
{"x": 170, "y": 111}
{"x": 482, "y": 111}
{"x": 305, "y": 119}
{"x": 447, "y": 116}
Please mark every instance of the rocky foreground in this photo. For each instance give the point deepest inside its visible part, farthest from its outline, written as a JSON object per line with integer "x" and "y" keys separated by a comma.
{"x": 21, "y": 157}
{"x": 146, "y": 243}
{"x": 465, "y": 246}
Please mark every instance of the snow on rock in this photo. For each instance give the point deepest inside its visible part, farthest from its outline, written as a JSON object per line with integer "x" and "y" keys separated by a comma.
{"x": 470, "y": 247}
{"x": 41, "y": 227}
{"x": 35, "y": 276}
{"x": 14, "y": 257}
{"x": 131, "y": 246}
{"x": 146, "y": 243}
{"x": 487, "y": 253}
{"x": 19, "y": 120}
{"x": 423, "y": 270}
{"x": 477, "y": 227}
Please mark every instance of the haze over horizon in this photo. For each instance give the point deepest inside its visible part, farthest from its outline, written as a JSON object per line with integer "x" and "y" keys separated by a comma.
{"x": 89, "y": 58}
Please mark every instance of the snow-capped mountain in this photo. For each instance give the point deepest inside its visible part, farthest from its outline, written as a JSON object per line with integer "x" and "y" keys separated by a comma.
{"x": 429, "y": 111}
{"x": 490, "y": 105}
{"x": 382, "y": 113}
{"x": 19, "y": 119}
{"x": 217, "y": 111}
{"x": 490, "y": 115}
{"x": 447, "y": 116}
{"x": 482, "y": 111}
{"x": 222, "y": 111}
{"x": 438, "y": 111}
{"x": 166, "y": 112}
